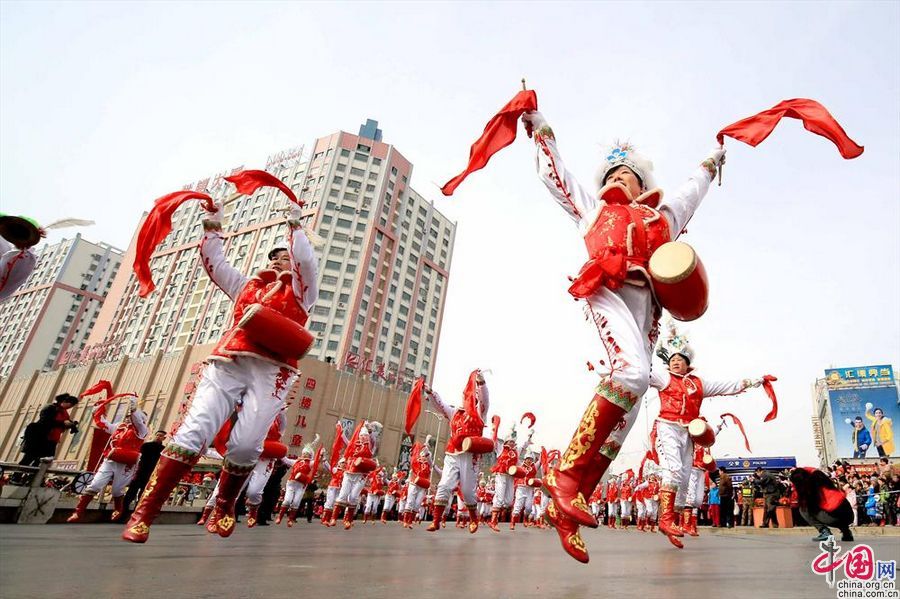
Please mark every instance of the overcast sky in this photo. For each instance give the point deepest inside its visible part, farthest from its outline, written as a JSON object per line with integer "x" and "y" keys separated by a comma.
{"x": 106, "y": 106}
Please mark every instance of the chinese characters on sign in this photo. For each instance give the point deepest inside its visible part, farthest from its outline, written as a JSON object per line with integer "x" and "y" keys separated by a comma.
{"x": 379, "y": 371}
{"x": 860, "y": 567}
{"x": 860, "y": 377}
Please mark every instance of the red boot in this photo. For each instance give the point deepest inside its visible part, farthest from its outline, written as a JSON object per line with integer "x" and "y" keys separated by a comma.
{"x": 611, "y": 403}
{"x": 439, "y": 511}
{"x": 495, "y": 518}
{"x": 80, "y": 507}
{"x": 280, "y": 515}
{"x": 473, "y": 520}
{"x": 205, "y": 515}
{"x": 667, "y": 516}
{"x": 568, "y": 533}
{"x": 349, "y": 515}
{"x": 164, "y": 478}
{"x": 252, "y": 515}
{"x": 512, "y": 522}
{"x": 118, "y": 508}
{"x": 335, "y": 514}
{"x": 223, "y": 517}
{"x": 690, "y": 522}
{"x": 292, "y": 518}
{"x": 384, "y": 516}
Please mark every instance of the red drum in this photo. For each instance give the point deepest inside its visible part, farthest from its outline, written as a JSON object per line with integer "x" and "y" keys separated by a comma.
{"x": 679, "y": 280}
{"x": 477, "y": 445}
{"x": 422, "y": 482}
{"x": 129, "y": 457}
{"x": 534, "y": 482}
{"x": 515, "y": 472}
{"x": 364, "y": 465}
{"x": 709, "y": 463}
{"x": 276, "y": 332}
{"x": 701, "y": 432}
{"x": 273, "y": 449}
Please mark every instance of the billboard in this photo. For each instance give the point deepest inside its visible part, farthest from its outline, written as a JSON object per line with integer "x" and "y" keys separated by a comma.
{"x": 864, "y": 409}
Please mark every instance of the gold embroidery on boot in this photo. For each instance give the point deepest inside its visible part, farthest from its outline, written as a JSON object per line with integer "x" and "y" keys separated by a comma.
{"x": 551, "y": 478}
{"x": 583, "y": 437}
{"x": 580, "y": 504}
{"x": 139, "y": 529}
{"x": 225, "y": 523}
{"x": 576, "y": 541}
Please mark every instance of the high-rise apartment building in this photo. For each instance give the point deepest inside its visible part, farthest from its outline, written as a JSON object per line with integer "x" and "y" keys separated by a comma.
{"x": 383, "y": 268}
{"x": 52, "y": 314}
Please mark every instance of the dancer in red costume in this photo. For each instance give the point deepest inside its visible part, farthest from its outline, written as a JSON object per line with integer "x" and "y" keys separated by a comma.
{"x": 376, "y": 484}
{"x": 245, "y": 365}
{"x": 612, "y": 501}
{"x": 622, "y": 226}
{"x": 331, "y": 494}
{"x": 120, "y": 457}
{"x": 360, "y": 461}
{"x": 681, "y": 393}
{"x": 504, "y": 486}
{"x": 419, "y": 481}
{"x": 392, "y": 495}
{"x": 524, "y": 477}
{"x": 303, "y": 470}
{"x": 460, "y": 468}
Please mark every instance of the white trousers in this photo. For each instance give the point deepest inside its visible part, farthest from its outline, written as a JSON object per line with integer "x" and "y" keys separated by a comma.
{"x": 415, "y": 497}
{"x": 459, "y": 469}
{"x": 595, "y": 508}
{"x": 389, "y": 501}
{"x": 331, "y": 495}
{"x": 503, "y": 491}
{"x": 372, "y": 503}
{"x": 484, "y": 509}
{"x": 258, "y": 479}
{"x": 652, "y": 508}
{"x": 627, "y": 317}
{"x": 115, "y": 472}
{"x": 641, "y": 509}
{"x": 260, "y": 385}
{"x": 625, "y": 506}
{"x": 15, "y": 267}
{"x": 524, "y": 496}
{"x": 676, "y": 457}
{"x": 696, "y": 488}
{"x": 293, "y": 494}
{"x": 612, "y": 508}
{"x": 351, "y": 487}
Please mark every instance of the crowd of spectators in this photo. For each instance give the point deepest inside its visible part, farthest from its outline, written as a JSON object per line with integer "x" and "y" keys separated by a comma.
{"x": 875, "y": 497}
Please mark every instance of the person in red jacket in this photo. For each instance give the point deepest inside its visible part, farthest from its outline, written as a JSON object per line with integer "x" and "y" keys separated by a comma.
{"x": 612, "y": 501}
{"x": 525, "y": 475}
{"x": 419, "y": 483}
{"x": 375, "y": 483}
{"x": 329, "y": 512}
{"x": 681, "y": 393}
{"x": 391, "y": 495}
{"x": 622, "y": 225}
{"x": 242, "y": 367}
{"x": 360, "y": 455}
{"x": 822, "y": 503}
{"x": 504, "y": 487}
{"x": 460, "y": 467}
{"x": 626, "y": 499}
{"x": 120, "y": 457}
{"x": 303, "y": 470}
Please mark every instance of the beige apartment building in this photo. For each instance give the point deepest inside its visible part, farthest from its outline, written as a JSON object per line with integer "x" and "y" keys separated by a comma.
{"x": 383, "y": 268}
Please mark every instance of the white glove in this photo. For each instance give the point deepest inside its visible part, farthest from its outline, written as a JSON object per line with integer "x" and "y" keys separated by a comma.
{"x": 533, "y": 121}
{"x": 717, "y": 155}
{"x": 295, "y": 211}
{"x": 869, "y": 406}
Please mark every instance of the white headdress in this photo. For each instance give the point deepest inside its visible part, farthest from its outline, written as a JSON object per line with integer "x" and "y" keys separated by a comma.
{"x": 674, "y": 343}
{"x": 624, "y": 154}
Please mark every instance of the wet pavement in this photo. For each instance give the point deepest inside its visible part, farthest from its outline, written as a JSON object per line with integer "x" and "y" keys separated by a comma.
{"x": 387, "y": 561}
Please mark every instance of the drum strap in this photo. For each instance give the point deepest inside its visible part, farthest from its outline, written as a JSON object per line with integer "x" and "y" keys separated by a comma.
{"x": 640, "y": 234}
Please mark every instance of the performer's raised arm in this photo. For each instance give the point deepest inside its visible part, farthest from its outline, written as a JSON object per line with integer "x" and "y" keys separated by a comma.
{"x": 442, "y": 406}
{"x": 718, "y": 388}
{"x": 484, "y": 397}
{"x": 304, "y": 264}
{"x": 680, "y": 207}
{"x": 565, "y": 189}
{"x": 527, "y": 441}
{"x": 15, "y": 267}
{"x": 139, "y": 420}
{"x": 212, "y": 255}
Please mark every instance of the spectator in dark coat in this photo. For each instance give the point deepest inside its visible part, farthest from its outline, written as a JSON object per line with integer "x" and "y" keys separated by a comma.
{"x": 726, "y": 498}
{"x": 271, "y": 492}
{"x": 42, "y": 436}
{"x": 821, "y": 503}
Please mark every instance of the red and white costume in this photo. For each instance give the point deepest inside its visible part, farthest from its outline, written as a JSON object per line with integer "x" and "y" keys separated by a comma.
{"x": 239, "y": 370}
{"x": 120, "y": 458}
{"x": 612, "y": 501}
{"x": 16, "y": 265}
{"x": 460, "y": 468}
{"x": 419, "y": 482}
{"x": 363, "y": 446}
{"x": 391, "y": 496}
{"x": 331, "y": 493}
{"x": 626, "y": 500}
{"x": 376, "y": 488}
{"x": 302, "y": 471}
{"x": 524, "y": 492}
{"x": 621, "y": 233}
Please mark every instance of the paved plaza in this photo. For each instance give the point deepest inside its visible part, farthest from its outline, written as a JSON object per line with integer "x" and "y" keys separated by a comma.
{"x": 386, "y": 561}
